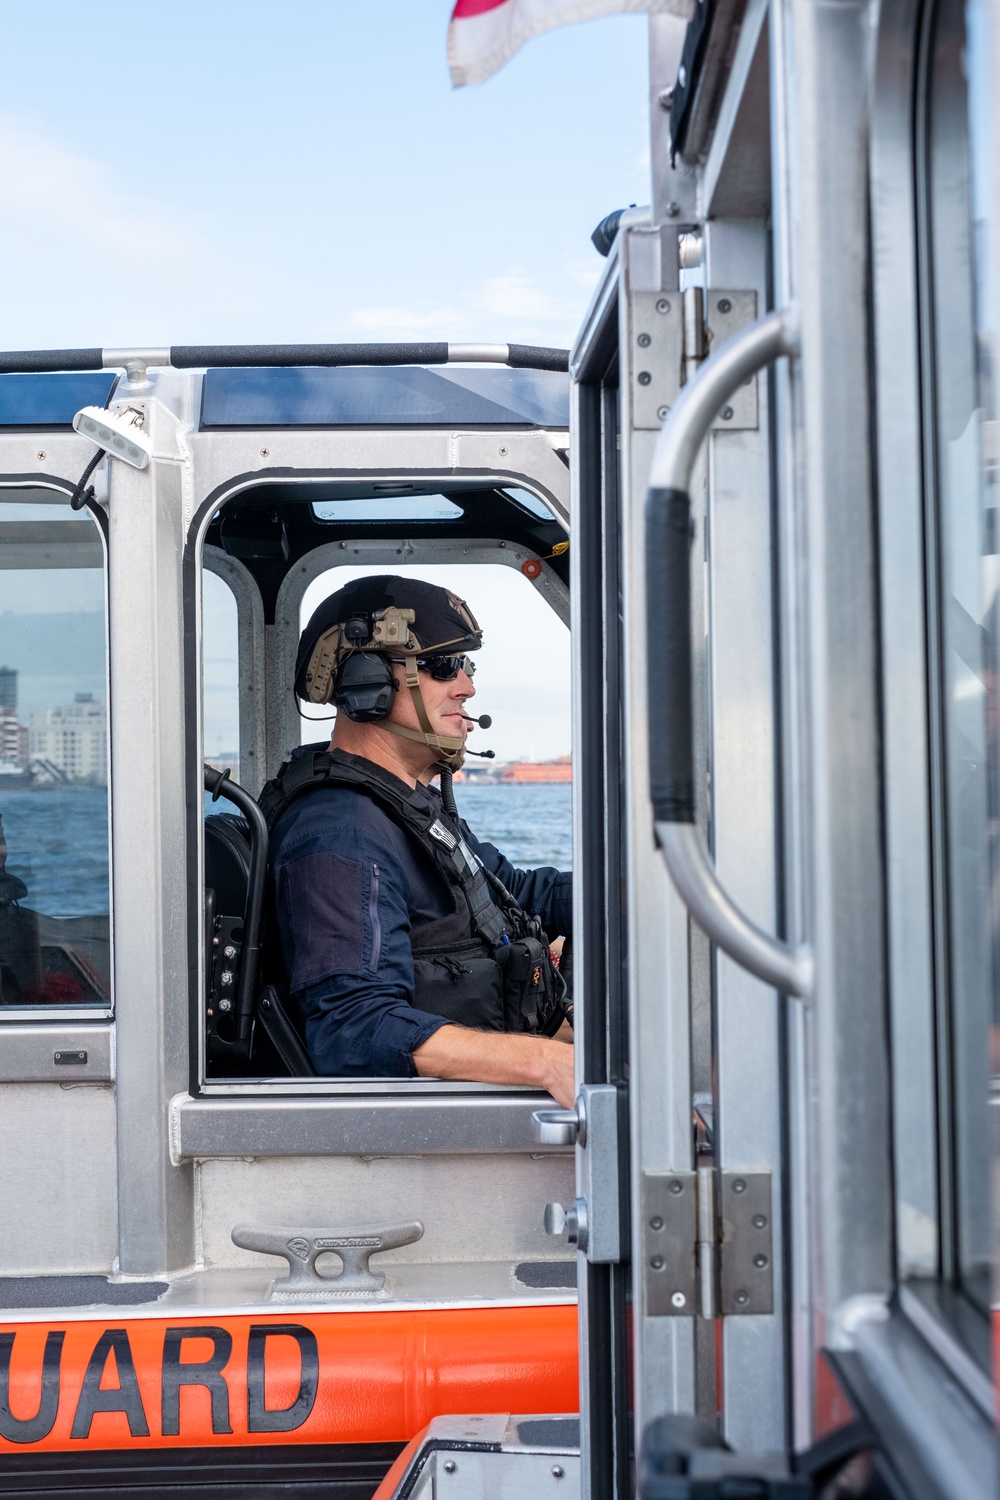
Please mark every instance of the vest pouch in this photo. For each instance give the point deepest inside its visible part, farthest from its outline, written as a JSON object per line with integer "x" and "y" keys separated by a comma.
{"x": 528, "y": 984}
{"x": 462, "y": 983}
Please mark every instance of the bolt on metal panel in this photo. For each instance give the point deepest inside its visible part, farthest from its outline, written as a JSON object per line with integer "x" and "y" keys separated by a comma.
{"x": 656, "y": 339}
{"x": 707, "y": 1243}
{"x": 669, "y": 1217}
{"x": 725, "y": 314}
{"x": 746, "y": 1273}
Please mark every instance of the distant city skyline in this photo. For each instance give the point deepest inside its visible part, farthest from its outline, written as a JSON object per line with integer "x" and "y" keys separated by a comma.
{"x": 70, "y": 739}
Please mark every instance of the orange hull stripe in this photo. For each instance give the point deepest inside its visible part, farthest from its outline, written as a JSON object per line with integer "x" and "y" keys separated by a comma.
{"x": 316, "y": 1378}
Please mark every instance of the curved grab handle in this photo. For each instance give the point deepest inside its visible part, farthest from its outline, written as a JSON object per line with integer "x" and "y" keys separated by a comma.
{"x": 668, "y": 646}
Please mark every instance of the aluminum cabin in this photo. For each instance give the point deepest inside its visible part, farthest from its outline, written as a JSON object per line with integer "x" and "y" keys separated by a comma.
{"x": 156, "y": 1150}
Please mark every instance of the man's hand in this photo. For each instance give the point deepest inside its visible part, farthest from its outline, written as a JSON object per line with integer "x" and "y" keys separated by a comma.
{"x": 539, "y": 1062}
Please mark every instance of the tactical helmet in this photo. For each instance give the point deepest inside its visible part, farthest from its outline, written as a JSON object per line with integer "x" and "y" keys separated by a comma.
{"x": 346, "y": 650}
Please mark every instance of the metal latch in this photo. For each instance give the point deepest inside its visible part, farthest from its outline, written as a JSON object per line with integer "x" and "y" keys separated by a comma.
{"x": 555, "y": 1127}
{"x": 572, "y": 1222}
{"x": 303, "y": 1247}
{"x": 707, "y": 1243}
{"x": 593, "y": 1222}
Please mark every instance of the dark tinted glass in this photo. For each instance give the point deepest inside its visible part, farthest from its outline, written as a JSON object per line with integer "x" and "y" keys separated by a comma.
{"x": 54, "y": 885}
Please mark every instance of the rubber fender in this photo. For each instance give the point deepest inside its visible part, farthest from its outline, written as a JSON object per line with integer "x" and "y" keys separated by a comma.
{"x": 329, "y": 1377}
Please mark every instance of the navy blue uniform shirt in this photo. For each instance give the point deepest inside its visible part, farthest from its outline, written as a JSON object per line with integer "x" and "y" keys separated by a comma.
{"x": 348, "y": 883}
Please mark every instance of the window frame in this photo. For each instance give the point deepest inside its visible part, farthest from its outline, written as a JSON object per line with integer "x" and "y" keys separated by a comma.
{"x": 930, "y": 1295}
{"x": 272, "y": 651}
{"x": 30, "y": 1017}
{"x": 251, "y": 663}
{"x": 932, "y": 278}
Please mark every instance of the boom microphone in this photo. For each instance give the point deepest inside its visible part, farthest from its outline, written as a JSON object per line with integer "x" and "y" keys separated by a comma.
{"x": 484, "y": 721}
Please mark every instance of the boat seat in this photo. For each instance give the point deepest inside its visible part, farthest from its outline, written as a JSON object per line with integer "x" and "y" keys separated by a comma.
{"x": 276, "y": 1045}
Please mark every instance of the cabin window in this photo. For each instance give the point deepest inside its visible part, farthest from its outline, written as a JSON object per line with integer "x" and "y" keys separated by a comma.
{"x": 964, "y": 547}
{"x": 220, "y": 675}
{"x": 389, "y": 505}
{"x": 268, "y": 562}
{"x": 54, "y": 857}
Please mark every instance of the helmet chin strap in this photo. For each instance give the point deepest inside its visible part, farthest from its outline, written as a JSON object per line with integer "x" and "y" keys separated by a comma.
{"x": 450, "y": 748}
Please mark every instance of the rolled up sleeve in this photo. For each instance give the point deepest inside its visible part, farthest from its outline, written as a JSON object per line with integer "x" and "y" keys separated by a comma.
{"x": 358, "y": 1031}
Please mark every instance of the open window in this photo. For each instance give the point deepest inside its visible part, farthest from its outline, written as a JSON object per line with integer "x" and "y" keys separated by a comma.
{"x": 269, "y": 557}
{"x": 55, "y": 952}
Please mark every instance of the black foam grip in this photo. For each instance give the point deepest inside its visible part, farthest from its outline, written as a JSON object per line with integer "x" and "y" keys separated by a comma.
{"x": 668, "y": 655}
{"x": 49, "y": 361}
{"x": 230, "y": 356}
{"x": 531, "y": 357}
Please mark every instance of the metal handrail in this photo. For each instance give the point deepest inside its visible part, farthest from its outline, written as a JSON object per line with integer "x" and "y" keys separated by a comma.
{"x": 668, "y": 614}
{"x": 258, "y": 356}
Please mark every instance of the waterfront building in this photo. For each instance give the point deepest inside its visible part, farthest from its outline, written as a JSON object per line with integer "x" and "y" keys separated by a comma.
{"x": 74, "y": 738}
{"x": 538, "y": 771}
{"x": 13, "y": 734}
{"x": 13, "y": 739}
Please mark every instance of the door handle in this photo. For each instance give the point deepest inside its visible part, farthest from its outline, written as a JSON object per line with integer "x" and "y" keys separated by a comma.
{"x": 669, "y": 649}
{"x": 555, "y": 1127}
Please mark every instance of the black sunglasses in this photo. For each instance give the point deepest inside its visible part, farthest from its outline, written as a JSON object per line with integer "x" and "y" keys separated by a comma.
{"x": 446, "y": 668}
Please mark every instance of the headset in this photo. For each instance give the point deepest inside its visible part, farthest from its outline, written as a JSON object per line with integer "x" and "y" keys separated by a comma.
{"x": 365, "y": 682}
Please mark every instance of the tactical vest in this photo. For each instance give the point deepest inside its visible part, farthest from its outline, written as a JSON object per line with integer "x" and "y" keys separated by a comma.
{"x": 485, "y": 963}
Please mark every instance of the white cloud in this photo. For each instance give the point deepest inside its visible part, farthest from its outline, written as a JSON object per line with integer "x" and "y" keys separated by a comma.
{"x": 517, "y": 297}
{"x": 48, "y": 186}
{"x": 584, "y": 273}
{"x": 91, "y": 252}
{"x": 393, "y": 322}
{"x": 510, "y": 307}
{"x": 91, "y": 256}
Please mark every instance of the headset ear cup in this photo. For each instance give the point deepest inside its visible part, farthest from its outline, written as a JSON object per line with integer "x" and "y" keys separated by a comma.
{"x": 364, "y": 687}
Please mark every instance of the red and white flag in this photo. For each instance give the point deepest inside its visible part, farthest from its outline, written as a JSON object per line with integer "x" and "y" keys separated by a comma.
{"x": 483, "y": 34}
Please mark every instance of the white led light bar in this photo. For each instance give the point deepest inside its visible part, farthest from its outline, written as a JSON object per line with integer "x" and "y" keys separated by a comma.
{"x": 120, "y": 433}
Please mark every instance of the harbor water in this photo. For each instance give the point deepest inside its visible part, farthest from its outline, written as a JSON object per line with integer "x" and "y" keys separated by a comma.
{"x": 57, "y": 839}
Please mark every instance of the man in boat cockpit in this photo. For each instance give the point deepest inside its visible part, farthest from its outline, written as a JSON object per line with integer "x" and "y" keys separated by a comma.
{"x": 412, "y": 950}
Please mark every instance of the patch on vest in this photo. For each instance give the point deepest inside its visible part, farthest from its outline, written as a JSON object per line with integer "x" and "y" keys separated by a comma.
{"x": 438, "y": 831}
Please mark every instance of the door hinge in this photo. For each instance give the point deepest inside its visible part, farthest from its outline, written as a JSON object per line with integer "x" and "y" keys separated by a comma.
{"x": 707, "y": 1243}
{"x": 670, "y": 334}
{"x": 725, "y": 314}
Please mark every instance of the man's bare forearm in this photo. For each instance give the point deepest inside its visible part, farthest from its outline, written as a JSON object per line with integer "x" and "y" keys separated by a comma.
{"x": 454, "y": 1052}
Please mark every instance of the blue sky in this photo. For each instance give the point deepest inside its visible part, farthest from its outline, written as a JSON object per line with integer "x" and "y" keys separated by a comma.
{"x": 246, "y": 170}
